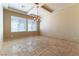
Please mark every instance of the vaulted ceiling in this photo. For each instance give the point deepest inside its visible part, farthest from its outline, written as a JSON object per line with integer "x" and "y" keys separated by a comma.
{"x": 30, "y": 8}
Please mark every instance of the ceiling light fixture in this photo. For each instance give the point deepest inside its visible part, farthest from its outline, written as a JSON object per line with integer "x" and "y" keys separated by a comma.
{"x": 37, "y": 17}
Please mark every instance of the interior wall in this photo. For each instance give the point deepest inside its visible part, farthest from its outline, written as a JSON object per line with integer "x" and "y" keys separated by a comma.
{"x": 7, "y": 26}
{"x": 1, "y": 25}
{"x": 62, "y": 24}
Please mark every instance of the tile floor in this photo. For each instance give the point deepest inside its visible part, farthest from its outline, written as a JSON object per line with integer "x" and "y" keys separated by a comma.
{"x": 40, "y": 46}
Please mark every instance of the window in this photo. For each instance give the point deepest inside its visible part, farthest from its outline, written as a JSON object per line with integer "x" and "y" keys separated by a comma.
{"x": 18, "y": 24}
{"x": 32, "y": 25}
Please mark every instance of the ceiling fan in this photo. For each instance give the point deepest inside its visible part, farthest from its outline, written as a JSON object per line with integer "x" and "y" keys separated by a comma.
{"x": 44, "y": 6}
{"x": 41, "y": 5}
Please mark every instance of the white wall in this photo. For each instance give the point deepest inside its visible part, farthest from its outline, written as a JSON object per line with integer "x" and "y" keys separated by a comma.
{"x": 1, "y": 25}
{"x": 62, "y": 24}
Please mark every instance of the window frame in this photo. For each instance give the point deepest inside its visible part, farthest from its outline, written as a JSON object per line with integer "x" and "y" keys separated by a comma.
{"x": 11, "y": 24}
{"x": 36, "y": 26}
{"x": 26, "y": 25}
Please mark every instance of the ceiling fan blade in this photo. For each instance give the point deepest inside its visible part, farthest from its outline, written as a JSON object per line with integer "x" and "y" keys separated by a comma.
{"x": 47, "y": 8}
{"x": 36, "y": 3}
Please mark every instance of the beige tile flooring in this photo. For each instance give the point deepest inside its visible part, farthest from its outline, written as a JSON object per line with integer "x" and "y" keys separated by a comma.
{"x": 39, "y": 46}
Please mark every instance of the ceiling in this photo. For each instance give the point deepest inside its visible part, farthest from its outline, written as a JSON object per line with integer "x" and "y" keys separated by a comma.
{"x": 30, "y": 8}
{"x": 57, "y": 6}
